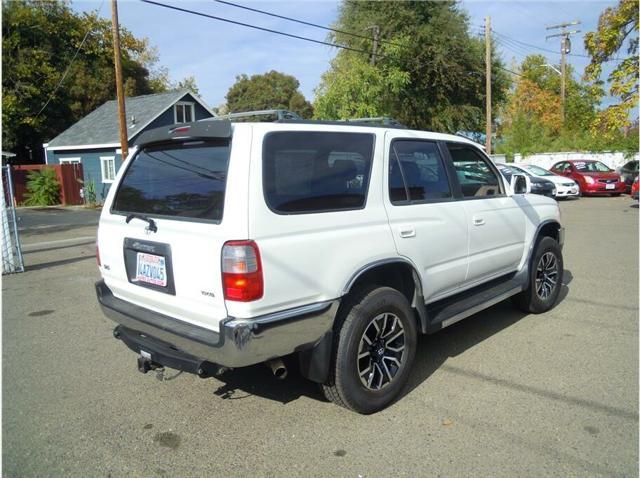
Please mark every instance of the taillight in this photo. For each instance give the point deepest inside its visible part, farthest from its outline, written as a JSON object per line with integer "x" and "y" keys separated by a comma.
{"x": 241, "y": 271}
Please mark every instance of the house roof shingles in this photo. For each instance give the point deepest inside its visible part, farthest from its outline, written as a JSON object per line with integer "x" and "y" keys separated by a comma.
{"x": 101, "y": 125}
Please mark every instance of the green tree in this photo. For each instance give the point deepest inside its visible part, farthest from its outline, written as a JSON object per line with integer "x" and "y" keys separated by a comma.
{"x": 531, "y": 120}
{"x": 188, "y": 83}
{"x": 617, "y": 28}
{"x": 429, "y": 71}
{"x": 272, "y": 90}
{"x": 39, "y": 40}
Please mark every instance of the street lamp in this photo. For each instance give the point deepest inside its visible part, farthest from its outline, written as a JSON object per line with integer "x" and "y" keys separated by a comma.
{"x": 553, "y": 68}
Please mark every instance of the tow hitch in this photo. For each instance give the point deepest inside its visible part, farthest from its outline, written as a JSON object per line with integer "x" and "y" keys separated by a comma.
{"x": 145, "y": 364}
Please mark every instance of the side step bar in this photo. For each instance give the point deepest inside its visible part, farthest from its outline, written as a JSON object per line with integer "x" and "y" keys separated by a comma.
{"x": 460, "y": 306}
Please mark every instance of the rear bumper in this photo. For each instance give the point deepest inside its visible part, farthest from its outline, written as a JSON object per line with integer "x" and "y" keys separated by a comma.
{"x": 240, "y": 342}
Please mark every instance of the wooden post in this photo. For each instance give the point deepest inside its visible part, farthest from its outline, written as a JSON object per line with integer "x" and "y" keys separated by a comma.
{"x": 487, "y": 41}
{"x": 119, "y": 88}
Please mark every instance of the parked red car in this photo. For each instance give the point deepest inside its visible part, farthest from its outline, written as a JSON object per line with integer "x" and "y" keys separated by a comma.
{"x": 593, "y": 177}
{"x": 634, "y": 188}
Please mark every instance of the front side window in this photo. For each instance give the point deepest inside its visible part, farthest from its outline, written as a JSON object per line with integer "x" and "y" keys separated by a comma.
{"x": 306, "y": 172}
{"x": 416, "y": 172}
{"x": 179, "y": 181}
{"x": 476, "y": 178}
{"x": 108, "y": 168}
{"x": 184, "y": 112}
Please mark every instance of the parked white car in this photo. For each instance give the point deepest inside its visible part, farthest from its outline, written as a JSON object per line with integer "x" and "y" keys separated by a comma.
{"x": 223, "y": 245}
{"x": 565, "y": 187}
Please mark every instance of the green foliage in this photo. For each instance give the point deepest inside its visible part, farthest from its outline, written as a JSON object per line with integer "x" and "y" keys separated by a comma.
{"x": 617, "y": 27}
{"x": 429, "y": 71}
{"x": 39, "y": 39}
{"x": 531, "y": 120}
{"x": 272, "y": 90}
{"x": 189, "y": 83}
{"x": 90, "y": 193}
{"x": 43, "y": 188}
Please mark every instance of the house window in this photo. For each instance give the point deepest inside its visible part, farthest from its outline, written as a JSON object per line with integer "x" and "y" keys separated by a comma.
{"x": 184, "y": 112}
{"x": 108, "y": 168}
{"x": 70, "y": 161}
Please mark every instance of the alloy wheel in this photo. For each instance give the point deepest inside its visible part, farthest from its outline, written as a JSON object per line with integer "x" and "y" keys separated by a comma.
{"x": 546, "y": 275}
{"x": 381, "y": 351}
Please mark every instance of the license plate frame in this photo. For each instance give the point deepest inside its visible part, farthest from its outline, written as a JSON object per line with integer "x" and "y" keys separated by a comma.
{"x": 610, "y": 186}
{"x": 132, "y": 246}
{"x": 151, "y": 269}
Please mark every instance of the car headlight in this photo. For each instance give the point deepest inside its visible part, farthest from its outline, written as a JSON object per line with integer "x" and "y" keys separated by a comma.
{"x": 589, "y": 180}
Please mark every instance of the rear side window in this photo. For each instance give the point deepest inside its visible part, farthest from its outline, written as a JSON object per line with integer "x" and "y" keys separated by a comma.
{"x": 184, "y": 181}
{"x": 416, "y": 172}
{"x": 476, "y": 178}
{"x": 305, "y": 172}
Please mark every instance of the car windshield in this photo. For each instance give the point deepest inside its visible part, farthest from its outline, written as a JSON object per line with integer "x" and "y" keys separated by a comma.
{"x": 591, "y": 167}
{"x": 512, "y": 170}
{"x": 538, "y": 171}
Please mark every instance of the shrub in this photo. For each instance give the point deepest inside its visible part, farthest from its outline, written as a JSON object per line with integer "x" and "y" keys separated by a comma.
{"x": 43, "y": 188}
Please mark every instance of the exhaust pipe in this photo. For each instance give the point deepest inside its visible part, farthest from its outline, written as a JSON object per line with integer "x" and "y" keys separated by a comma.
{"x": 278, "y": 368}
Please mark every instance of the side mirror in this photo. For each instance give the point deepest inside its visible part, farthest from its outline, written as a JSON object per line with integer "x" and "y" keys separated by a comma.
{"x": 520, "y": 184}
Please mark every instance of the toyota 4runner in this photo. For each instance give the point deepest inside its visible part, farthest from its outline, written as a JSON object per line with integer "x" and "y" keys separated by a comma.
{"x": 223, "y": 245}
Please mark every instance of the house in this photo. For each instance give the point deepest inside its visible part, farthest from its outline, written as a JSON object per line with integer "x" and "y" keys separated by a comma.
{"x": 94, "y": 141}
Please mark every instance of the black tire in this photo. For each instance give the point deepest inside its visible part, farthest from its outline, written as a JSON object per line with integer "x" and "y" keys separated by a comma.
{"x": 344, "y": 386}
{"x": 533, "y": 299}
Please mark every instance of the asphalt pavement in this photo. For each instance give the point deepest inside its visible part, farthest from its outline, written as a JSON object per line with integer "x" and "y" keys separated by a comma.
{"x": 499, "y": 394}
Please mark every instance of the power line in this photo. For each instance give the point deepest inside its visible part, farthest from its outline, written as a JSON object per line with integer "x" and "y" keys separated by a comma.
{"x": 255, "y": 27}
{"x": 302, "y": 22}
{"x": 66, "y": 71}
{"x": 248, "y": 25}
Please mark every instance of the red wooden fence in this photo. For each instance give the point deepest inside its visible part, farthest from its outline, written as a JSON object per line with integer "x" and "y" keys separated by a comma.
{"x": 70, "y": 177}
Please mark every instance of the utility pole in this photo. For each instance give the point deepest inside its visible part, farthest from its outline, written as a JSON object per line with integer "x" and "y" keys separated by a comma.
{"x": 124, "y": 143}
{"x": 376, "y": 39}
{"x": 487, "y": 45}
{"x": 565, "y": 47}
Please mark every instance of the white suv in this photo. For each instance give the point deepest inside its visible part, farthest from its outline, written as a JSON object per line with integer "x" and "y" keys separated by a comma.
{"x": 225, "y": 245}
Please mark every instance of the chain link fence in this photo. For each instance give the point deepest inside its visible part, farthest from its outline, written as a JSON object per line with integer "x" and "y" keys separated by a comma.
{"x": 11, "y": 253}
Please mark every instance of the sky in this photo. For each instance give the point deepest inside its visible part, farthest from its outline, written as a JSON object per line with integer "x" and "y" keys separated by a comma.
{"x": 215, "y": 52}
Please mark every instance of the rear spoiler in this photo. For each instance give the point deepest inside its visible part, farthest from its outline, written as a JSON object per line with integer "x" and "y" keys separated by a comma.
{"x": 220, "y": 129}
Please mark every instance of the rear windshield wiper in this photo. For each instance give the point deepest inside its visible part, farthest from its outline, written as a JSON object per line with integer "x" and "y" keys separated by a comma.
{"x": 152, "y": 224}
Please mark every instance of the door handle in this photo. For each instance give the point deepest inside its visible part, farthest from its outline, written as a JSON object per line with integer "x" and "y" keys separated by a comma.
{"x": 405, "y": 233}
{"x": 478, "y": 221}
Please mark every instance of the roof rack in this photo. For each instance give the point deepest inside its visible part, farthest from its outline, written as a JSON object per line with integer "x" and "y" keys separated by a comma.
{"x": 380, "y": 120}
{"x": 279, "y": 115}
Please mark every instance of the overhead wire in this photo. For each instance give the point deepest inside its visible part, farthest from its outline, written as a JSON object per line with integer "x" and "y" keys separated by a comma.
{"x": 302, "y": 22}
{"x": 256, "y": 27}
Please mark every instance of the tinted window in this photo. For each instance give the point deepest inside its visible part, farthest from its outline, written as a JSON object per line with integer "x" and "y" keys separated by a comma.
{"x": 416, "y": 172}
{"x": 316, "y": 171}
{"x": 476, "y": 178}
{"x": 186, "y": 180}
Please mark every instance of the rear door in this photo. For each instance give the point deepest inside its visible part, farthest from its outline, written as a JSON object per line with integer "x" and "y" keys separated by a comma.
{"x": 428, "y": 225}
{"x": 496, "y": 221}
{"x": 162, "y": 229}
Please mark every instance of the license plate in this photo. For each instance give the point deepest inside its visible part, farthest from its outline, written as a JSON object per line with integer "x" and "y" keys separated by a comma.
{"x": 151, "y": 269}
{"x": 610, "y": 186}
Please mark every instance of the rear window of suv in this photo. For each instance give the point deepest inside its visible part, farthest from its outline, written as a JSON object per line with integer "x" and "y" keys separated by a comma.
{"x": 305, "y": 172}
{"x": 183, "y": 181}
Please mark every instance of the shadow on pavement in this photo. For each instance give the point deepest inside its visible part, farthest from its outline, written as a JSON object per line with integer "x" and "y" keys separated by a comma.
{"x": 433, "y": 351}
